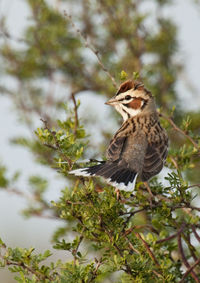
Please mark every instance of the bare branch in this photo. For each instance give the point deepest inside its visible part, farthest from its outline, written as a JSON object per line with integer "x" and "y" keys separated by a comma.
{"x": 190, "y": 270}
{"x": 179, "y": 130}
{"x": 195, "y": 233}
{"x": 92, "y": 48}
{"x": 193, "y": 186}
{"x": 75, "y": 113}
{"x": 186, "y": 263}
{"x": 170, "y": 237}
{"x": 6, "y": 35}
{"x": 187, "y": 239}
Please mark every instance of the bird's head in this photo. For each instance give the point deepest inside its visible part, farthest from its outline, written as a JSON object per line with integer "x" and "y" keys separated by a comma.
{"x": 132, "y": 99}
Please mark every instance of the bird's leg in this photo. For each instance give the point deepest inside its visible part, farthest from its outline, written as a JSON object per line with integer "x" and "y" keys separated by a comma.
{"x": 117, "y": 191}
{"x": 149, "y": 191}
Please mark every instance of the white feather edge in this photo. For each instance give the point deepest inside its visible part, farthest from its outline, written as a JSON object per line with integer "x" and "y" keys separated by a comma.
{"x": 80, "y": 172}
{"x": 121, "y": 186}
{"x": 78, "y": 161}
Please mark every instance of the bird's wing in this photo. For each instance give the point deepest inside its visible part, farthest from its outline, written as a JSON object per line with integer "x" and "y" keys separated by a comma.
{"x": 117, "y": 143}
{"x": 115, "y": 148}
{"x": 155, "y": 156}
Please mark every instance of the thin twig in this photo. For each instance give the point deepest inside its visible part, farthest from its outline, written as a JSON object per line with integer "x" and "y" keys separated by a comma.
{"x": 193, "y": 186}
{"x": 131, "y": 246}
{"x": 157, "y": 274}
{"x": 193, "y": 207}
{"x": 190, "y": 246}
{"x": 31, "y": 198}
{"x": 186, "y": 263}
{"x": 92, "y": 48}
{"x": 136, "y": 227}
{"x": 75, "y": 113}
{"x": 20, "y": 193}
{"x": 94, "y": 274}
{"x": 4, "y": 33}
{"x": 38, "y": 275}
{"x": 170, "y": 237}
{"x": 179, "y": 130}
{"x": 74, "y": 252}
{"x": 78, "y": 203}
{"x": 130, "y": 216}
{"x": 190, "y": 270}
{"x": 174, "y": 162}
{"x": 195, "y": 233}
{"x": 148, "y": 249}
{"x": 150, "y": 193}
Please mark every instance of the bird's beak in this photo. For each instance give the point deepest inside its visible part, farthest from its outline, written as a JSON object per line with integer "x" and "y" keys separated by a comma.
{"x": 112, "y": 101}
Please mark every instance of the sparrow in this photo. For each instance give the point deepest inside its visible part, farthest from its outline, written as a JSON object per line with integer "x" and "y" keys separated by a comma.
{"x": 139, "y": 147}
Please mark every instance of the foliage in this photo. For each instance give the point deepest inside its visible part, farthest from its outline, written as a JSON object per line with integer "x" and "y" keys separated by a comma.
{"x": 130, "y": 237}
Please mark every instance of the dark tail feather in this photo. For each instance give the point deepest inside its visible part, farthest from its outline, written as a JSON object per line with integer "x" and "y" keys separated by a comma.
{"x": 116, "y": 175}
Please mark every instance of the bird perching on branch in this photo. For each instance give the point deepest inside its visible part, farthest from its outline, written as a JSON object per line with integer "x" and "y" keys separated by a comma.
{"x": 140, "y": 145}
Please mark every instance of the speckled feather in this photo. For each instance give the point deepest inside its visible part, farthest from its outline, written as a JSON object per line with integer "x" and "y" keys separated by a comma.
{"x": 139, "y": 147}
{"x": 142, "y": 143}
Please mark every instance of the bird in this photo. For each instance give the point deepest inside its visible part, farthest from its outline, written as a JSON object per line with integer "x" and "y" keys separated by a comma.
{"x": 139, "y": 147}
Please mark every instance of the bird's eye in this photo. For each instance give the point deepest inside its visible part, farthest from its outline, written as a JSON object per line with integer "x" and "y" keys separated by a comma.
{"x": 127, "y": 97}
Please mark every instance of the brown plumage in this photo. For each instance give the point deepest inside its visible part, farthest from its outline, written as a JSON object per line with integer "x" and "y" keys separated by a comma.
{"x": 142, "y": 144}
{"x": 139, "y": 147}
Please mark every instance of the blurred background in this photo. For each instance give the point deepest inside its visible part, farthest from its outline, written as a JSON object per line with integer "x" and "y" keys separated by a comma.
{"x": 158, "y": 39}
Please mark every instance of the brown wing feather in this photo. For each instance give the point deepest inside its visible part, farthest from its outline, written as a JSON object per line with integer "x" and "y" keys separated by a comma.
{"x": 115, "y": 148}
{"x": 155, "y": 156}
{"x": 117, "y": 143}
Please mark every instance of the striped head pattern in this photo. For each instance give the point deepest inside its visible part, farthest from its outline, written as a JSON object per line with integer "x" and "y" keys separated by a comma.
{"x": 132, "y": 99}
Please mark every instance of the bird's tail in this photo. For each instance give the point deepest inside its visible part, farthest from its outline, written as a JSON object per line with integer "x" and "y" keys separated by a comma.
{"x": 114, "y": 174}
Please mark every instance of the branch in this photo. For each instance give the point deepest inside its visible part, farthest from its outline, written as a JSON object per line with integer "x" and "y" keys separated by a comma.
{"x": 78, "y": 203}
{"x": 98, "y": 264}
{"x": 176, "y": 128}
{"x": 130, "y": 216}
{"x": 170, "y": 237}
{"x": 190, "y": 246}
{"x": 192, "y": 207}
{"x": 75, "y": 113}
{"x": 148, "y": 249}
{"x": 195, "y": 233}
{"x": 92, "y": 48}
{"x": 20, "y": 193}
{"x": 186, "y": 263}
{"x": 74, "y": 252}
{"x": 33, "y": 198}
{"x": 193, "y": 186}
{"x": 4, "y": 33}
{"x": 190, "y": 270}
{"x": 131, "y": 246}
{"x": 31, "y": 270}
{"x": 152, "y": 256}
{"x": 136, "y": 227}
